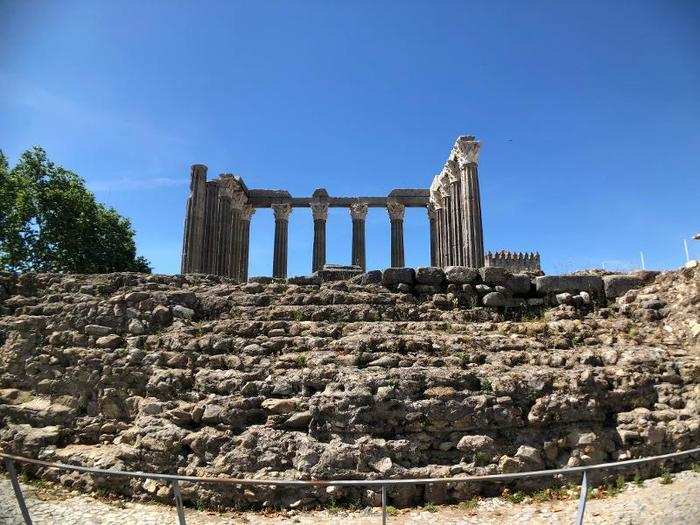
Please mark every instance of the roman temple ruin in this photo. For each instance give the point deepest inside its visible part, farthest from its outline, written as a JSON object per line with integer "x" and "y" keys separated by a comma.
{"x": 217, "y": 223}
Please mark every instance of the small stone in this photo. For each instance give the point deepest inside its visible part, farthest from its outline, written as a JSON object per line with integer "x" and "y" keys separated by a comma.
{"x": 183, "y": 312}
{"x": 96, "y": 329}
{"x": 162, "y": 315}
{"x": 135, "y": 297}
{"x": 136, "y": 327}
{"x": 564, "y": 298}
{"x": 109, "y": 341}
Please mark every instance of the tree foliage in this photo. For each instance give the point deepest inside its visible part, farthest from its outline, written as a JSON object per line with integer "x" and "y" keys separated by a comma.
{"x": 51, "y": 222}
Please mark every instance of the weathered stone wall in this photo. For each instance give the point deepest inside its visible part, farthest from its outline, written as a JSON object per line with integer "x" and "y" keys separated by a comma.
{"x": 396, "y": 374}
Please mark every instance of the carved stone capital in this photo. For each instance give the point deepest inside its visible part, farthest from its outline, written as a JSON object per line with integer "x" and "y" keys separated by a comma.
{"x": 247, "y": 212}
{"x": 238, "y": 200}
{"x": 432, "y": 212}
{"x": 452, "y": 171}
{"x": 466, "y": 150}
{"x": 281, "y": 211}
{"x": 319, "y": 210}
{"x": 396, "y": 209}
{"x": 435, "y": 195}
{"x": 358, "y": 210}
{"x": 229, "y": 185}
{"x": 443, "y": 187}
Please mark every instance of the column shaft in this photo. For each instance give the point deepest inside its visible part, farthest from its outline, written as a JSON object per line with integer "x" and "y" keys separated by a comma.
{"x": 319, "y": 251}
{"x": 433, "y": 241}
{"x": 193, "y": 238}
{"x": 397, "y": 251}
{"x": 279, "y": 262}
{"x": 210, "y": 228}
{"x": 245, "y": 250}
{"x": 236, "y": 239}
{"x": 358, "y": 243}
{"x": 223, "y": 235}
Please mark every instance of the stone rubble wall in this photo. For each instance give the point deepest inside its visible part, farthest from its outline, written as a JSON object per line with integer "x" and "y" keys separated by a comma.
{"x": 394, "y": 374}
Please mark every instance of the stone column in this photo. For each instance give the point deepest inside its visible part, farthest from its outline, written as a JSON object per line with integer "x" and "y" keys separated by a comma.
{"x": 467, "y": 153}
{"x": 223, "y": 234}
{"x": 279, "y": 261}
{"x": 320, "y": 214}
{"x": 358, "y": 212}
{"x": 396, "y": 213}
{"x": 210, "y": 227}
{"x": 432, "y": 220}
{"x": 193, "y": 238}
{"x": 246, "y": 215}
{"x": 238, "y": 200}
{"x": 453, "y": 175}
{"x": 447, "y": 223}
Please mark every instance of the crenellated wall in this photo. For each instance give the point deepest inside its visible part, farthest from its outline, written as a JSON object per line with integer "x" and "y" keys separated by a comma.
{"x": 513, "y": 261}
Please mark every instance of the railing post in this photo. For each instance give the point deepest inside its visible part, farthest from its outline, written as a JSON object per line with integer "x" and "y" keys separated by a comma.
{"x": 10, "y": 467}
{"x": 582, "y": 499}
{"x": 178, "y": 502}
{"x": 383, "y": 504}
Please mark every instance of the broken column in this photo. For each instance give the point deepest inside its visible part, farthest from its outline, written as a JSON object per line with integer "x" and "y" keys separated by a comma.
{"x": 358, "y": 212}
{"x": 193, "y": 239}
{"x": 396, "y": 213}
{"x": 279, "y": 260}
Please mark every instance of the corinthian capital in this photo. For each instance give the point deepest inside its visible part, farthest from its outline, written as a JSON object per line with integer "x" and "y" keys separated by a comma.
{"x": 229, "y": 184}
{"x": 396, "y": 209}
{"x": 432, "y": 213}
{"x": 238, "y": 200}
{"x": 466, "y": 150}
{"x": 358, "y": 210}
{"x": 452, "y": 171}
{"x": 247, "y": 212}
{"x": 319, "y": 210}
{"x": 281, "y": 211}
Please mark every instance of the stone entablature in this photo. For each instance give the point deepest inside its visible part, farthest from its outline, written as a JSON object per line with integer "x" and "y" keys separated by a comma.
{"x": 514, "y": 261}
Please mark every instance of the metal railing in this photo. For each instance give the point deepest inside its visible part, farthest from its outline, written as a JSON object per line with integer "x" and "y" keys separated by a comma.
{"x": 382, "y": 483}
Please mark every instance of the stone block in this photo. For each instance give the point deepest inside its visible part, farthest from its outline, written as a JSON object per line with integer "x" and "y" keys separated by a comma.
{"x": 494, "y": 275}
{"x": 262, "y": 279}
{"x": 617, "y": 285}
{"x": 394, "y": 276}
{"x": 461, "y": 274}
{"x": 372, "y": 277}
{"x": 519, "y": 284}
{"x": 304, "y": 280}
{"x": 556, "y": 284}
{"x": 430, "y": 275}
{"x": 494, "y": 299}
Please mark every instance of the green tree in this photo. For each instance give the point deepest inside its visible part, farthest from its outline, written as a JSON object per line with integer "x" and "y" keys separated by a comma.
{"x": 51, "y": 222}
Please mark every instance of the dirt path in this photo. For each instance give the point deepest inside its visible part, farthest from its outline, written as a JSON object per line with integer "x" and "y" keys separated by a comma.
{"x": 653, "y": 503}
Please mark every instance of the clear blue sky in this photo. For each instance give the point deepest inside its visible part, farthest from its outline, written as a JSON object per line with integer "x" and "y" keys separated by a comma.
{"x": 589, "y": 113}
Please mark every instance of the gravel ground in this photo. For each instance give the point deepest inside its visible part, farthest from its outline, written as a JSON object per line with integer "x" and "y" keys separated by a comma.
{"x": 652, "y": 503}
